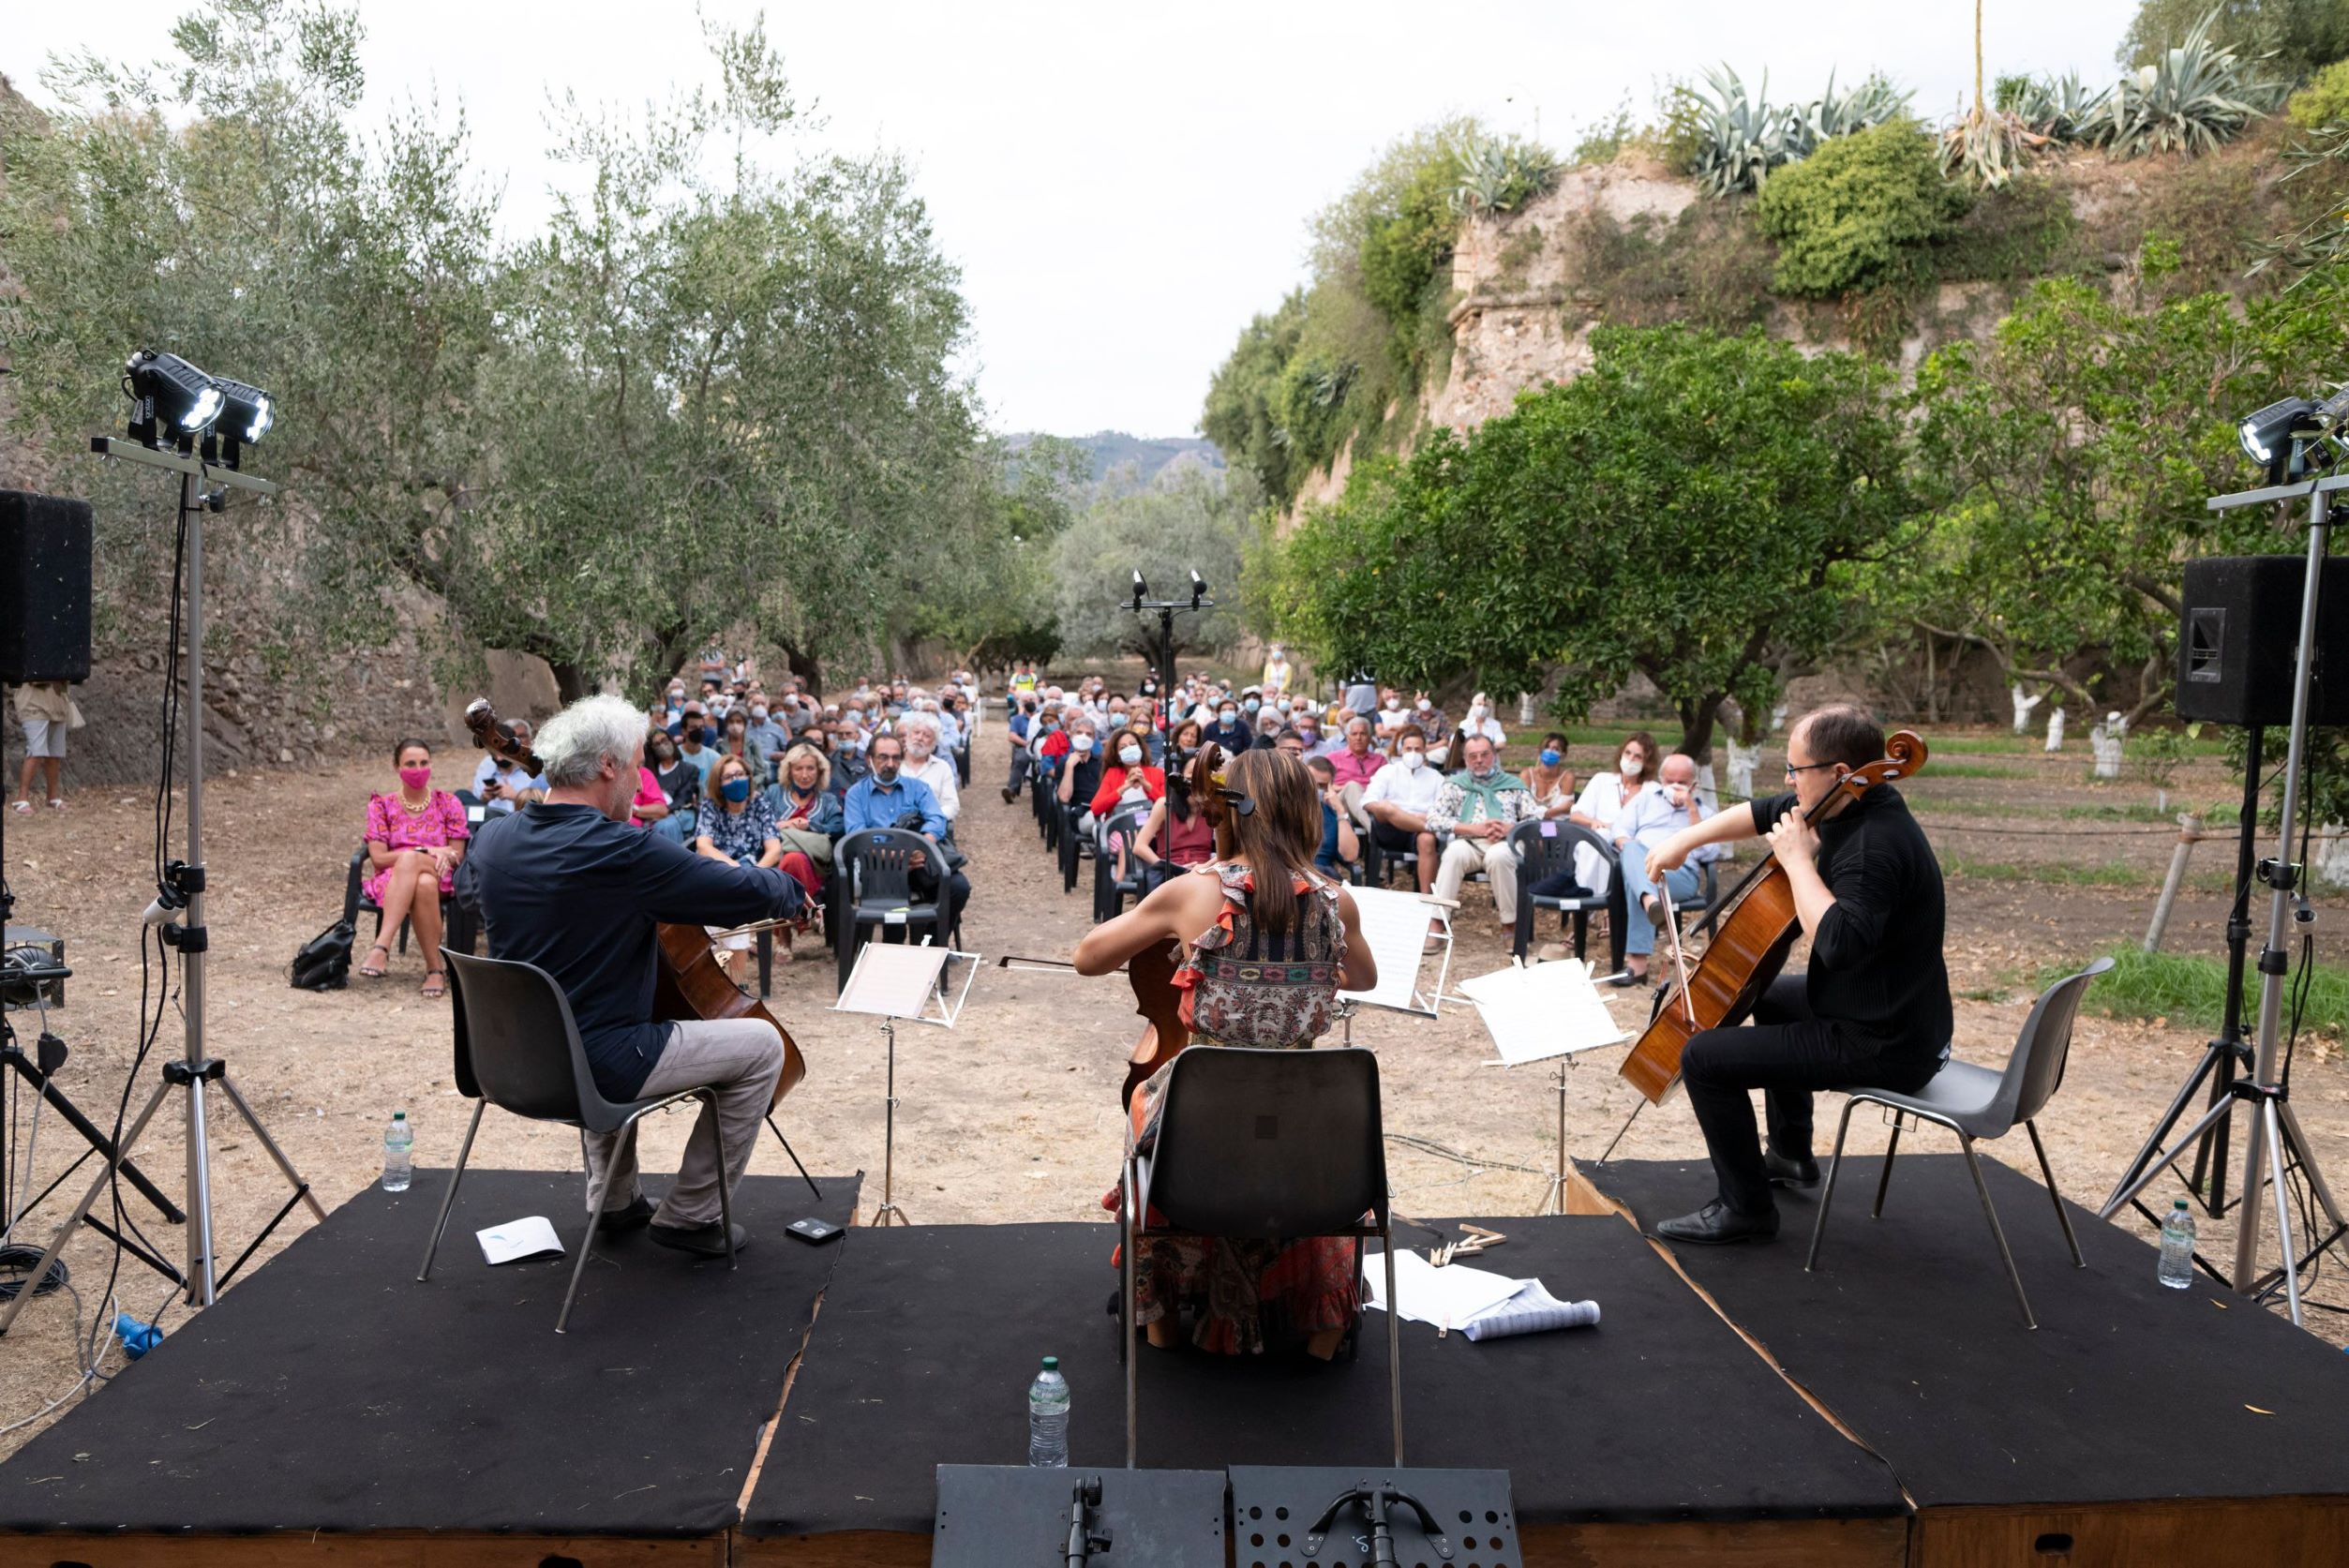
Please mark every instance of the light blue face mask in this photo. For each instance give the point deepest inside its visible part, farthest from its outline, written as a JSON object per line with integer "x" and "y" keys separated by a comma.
{"x": 1552, "y": 756}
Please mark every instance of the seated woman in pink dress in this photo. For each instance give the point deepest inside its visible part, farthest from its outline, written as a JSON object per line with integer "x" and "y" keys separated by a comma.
{"x": 415, "y": 837}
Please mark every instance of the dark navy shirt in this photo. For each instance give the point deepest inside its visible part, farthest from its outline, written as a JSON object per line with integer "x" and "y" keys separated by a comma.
{"x": 565, "y": 888}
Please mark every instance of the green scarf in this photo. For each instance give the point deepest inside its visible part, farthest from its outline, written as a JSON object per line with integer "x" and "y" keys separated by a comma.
{"x": 1489, "y": 791}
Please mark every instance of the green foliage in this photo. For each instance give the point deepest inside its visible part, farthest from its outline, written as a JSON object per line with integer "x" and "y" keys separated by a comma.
{"x": 2295, "y": 35}
{"x": 1404, "y": 245}
{"x": 2189, "y": 989}
{"x": 1988, "y": 149}
{"x": 1860, "y": 211}
{"x": 1709, "y": 267}
{"x": 1603, "y": 140}
{"x": 1189, "y": 519}
{"x": 1499, "y": 173}
{"x": 2016, "y": 231}
{"x": 1678, "y": 510}
{"x": 2059, "y": 108}
{"x": 1241, "y": 416}
{"x": 1741, "y": 140}
{"x": 635, "y": 430}
{"x": 2323, "y": 101}
{"x": 2189, "y": 98}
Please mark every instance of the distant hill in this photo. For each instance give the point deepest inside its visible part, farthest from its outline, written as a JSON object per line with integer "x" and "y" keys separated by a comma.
{"x": 1133, "y": 461}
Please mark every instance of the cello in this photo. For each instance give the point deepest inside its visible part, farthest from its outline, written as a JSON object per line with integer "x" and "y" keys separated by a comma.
{"x": 689, "y": 983}
{"x": 1751, "y": 938}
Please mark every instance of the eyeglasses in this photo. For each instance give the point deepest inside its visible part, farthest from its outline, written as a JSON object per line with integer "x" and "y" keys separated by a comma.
{"x": 1792, "y": 769}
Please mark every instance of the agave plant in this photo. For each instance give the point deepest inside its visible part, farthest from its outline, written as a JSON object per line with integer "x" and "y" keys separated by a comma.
{"x": 1742, "y": 139}
{"x": 1498, "y": 174}
{"x": 1989, "y": 147}
{"x": 2197, "y": 96}
{"x": 1832, "y": 114}
{"x": 2058, "y": 108}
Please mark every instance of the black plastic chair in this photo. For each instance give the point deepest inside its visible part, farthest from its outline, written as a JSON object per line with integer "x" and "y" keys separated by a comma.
{"x": 518, "y": 1048}
{"x": 871, "y": 888}
{"x": 1380, "y": 863}
{"x": 1541, "y": 855}
{"x": 1269, "y": 1144}
{"x": 354, "y": 898}
{"x": 1110, "y": 891}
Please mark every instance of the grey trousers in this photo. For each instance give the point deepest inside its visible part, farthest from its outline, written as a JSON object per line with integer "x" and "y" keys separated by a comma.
{"x": 741, "y": 1057}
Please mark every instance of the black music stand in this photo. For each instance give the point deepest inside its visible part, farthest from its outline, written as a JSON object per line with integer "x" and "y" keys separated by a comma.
{"x": 992, "y": 1514}
{"x": 1312, "y": 1516}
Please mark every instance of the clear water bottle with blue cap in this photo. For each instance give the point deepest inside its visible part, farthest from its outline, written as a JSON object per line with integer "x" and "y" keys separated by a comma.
{"x": 1048, "y": 1417}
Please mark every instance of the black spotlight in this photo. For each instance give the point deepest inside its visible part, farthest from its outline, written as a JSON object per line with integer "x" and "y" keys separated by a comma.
{"x": 1198, "y": 589}
{"x": 246, "y": 414}
{"x": 170, "y": 398}
{"x": 1141, "y": 590}
{"x": 2276, "y": 437}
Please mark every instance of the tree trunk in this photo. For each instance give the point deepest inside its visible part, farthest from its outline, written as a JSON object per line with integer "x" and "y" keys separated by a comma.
{"x": 1696, "y": 720}
{"x": 571, "y": 681}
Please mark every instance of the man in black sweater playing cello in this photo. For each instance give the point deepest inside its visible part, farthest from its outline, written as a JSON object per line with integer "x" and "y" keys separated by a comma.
{"x": 1872, "y": 1009}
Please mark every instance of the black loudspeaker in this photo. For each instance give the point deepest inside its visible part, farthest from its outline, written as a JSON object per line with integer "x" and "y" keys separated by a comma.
{"x": 2238, "y": 640}
{"x": 44, "y": 588}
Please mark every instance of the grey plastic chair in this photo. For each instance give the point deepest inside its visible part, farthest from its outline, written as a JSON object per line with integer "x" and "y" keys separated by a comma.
{"x": 1975, "y": 1102}
{"x": 517, "y": 1047}
{"x": 1269, "y": 1144}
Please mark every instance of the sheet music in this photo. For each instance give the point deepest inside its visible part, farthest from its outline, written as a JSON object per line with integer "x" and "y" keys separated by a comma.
{"x": 1395, "y": 926}
{"x": 892, "y": 979}
{"x": 1548, "y": 1010}
{"x": 1481, "y": 1305}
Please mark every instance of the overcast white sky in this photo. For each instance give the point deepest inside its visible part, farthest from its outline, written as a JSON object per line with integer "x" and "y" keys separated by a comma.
{"x": 1124, "y": 186}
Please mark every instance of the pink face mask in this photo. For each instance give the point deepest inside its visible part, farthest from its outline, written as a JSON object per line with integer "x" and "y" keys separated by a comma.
{"x": 416, "y": 778}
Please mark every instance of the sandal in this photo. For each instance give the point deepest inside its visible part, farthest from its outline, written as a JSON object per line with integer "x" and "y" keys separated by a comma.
{"x": 376, "y": 973}
{"x": 24, "y": 808}
{"x": 435, "y": 985}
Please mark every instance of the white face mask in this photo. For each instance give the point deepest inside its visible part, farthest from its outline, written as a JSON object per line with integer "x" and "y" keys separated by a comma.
{"x": 1081, "y": 744}
{"x": 1426, "y": 707}
{"x": 1130, "y": 756}
{"x": 1413, "y": 761}
{"x": 1394, "y": 705}
{"x": 1629, "y": 766}
{"x": 1476, "y": 713}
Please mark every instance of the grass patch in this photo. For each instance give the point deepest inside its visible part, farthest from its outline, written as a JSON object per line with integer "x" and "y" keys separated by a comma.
{"x": 1970, "y": 771}
{"x": 2210, "y": 744}
{"x": 2107, "y": 874}
{"x": 2190, "y": 988}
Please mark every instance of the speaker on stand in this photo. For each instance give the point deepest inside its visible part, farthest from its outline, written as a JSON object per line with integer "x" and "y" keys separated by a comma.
{"x": 44, "y": 588}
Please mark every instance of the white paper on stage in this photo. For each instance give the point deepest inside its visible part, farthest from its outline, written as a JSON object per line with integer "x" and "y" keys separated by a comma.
{"x": 1548, "y": 1009}
{"x": 1479, "y": 1304}
{"x": 1395, "y": 926}
{"x": 518, "y": 1240}
{"x": 894, "y": 979}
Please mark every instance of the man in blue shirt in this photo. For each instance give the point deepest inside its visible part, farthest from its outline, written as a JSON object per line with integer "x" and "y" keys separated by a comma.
{"x": 1654, "y": 815}
{"x": 883, "y": 798}
{"x": 1023, "y": 716}
{"x": 570, "y": 885}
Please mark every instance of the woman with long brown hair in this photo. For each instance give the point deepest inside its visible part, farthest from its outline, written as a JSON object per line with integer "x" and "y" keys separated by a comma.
{"x": 1269, "y": 942}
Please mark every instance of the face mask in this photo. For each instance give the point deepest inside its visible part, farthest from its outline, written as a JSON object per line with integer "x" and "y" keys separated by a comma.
{"x": 1081, "y": 744}
{"x": 758, "y": 712}
{"x": 1130, "y": 756}
{"x": 665, "y": 756}
{"x": 505, "y": 765}
{"x": 1476, "y": 713}
{"x": 1394, "y": 705}
{"x": 1413, "y": 761}
{"x": 1629, "y": 766}
{"x": 675, "y": 714}
{"x": 856, "y": 715}
{"x": 1426, "y": 707}
{"x": 1552, "y": 756}
{"x": 1251, "y": 705}
{"x": 736, "y": 789}
{"x": 1481, "y": 775}
{"x": 885, "y": 772}
{"x": 416, "y": 778}
{"x": 1308, "y": 734}
{"x": 691, "y": 739}
{"x": 1227, "y": 714}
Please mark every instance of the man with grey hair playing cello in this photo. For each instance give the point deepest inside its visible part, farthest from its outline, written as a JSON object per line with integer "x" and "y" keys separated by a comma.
{"x": 569, "y": 884}
{"x": 1871, "y": 1009}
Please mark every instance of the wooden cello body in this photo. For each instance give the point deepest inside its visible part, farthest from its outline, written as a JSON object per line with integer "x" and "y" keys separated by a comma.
{"x": 1751, "y": 939}
{"x": 689, "y": 983}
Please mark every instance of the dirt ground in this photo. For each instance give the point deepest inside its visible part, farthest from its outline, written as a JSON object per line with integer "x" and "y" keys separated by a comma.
{"x": 1012, "y": 1114}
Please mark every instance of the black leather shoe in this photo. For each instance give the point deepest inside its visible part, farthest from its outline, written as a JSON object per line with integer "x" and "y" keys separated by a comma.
{"x": 1790, "y": 1173}
{"x": 1715, "y": 1225}
{"x": 705, "y": 1241}
{"x": 636, "y": 1211}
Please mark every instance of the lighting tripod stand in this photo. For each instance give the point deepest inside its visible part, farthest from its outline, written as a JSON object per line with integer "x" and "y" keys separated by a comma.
{"x": 2274, "y": 1127}
{"x": 193, "y": 1072}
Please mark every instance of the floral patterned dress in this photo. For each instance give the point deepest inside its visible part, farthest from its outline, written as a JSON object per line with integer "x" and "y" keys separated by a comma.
{"x": 390, "y": 822}
{"x": 1245, "y": 987}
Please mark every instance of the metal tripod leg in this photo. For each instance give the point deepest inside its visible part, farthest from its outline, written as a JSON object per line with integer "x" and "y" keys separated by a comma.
{"x": 2129, "y": 1185}
{"x": 81, "y": 1209}
{"x": 2308, "y": 1163}
{"x": 1555, "y": 1200}
{"x": 2273, "y": 1131}
{"x": 270, "y": 1144}
{"x": 2168, "y": 1157}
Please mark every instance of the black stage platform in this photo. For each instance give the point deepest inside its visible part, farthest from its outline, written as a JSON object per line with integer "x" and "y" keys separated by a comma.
{"x": 1658, "y": 1421}
{"x": 2130, "y": 1402}
{"x": 332, "y": 1393}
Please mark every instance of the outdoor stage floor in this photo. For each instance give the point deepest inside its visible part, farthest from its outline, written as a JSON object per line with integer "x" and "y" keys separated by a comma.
{"x": 331, "y": 1408}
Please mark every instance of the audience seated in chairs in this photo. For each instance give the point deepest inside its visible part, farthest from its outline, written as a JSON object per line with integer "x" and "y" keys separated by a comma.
{"x": 1602, "y": 802}
{"x": 680, "y": 786}
{"x": 738, "y": 825}
{"x": 888, "y": 799}
{"x": 926, "y": 759}
{"x": 1659, "y": 811}
{"x": 1341, "y": 851}
{"x": 1478, "y": 806}
{"x": 1021, "y": 725}
{"x": 1397, "y": 801}
{"x": 500, "y": 784}
{"x": 1079, "y": 766}
{"x": 415, "y": 838}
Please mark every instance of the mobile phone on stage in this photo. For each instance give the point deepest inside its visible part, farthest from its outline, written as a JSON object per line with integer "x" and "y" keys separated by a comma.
{"x": 814, "y": 1232}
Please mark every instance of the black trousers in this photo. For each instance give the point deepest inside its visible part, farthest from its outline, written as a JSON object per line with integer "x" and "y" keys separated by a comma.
{"x": 1788, "y": 1054}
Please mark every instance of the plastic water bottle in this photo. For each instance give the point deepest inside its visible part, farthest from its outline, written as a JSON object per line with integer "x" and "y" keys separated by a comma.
{"x": 1048, "y": 1417}
{"x": 398, "y": 1163}
{"x": 2177, "y": 1248}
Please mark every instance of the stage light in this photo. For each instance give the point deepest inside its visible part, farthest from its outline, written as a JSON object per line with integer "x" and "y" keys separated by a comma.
{"x": 169, "y": 394}
{"x": 247, "y": 413}
{"x": 2273, "y": 436}
{"x": 1140, "y": 590}
{"x": 1198, "y": 589}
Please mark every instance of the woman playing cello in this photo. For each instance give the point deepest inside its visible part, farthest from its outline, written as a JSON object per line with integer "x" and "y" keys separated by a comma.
{"x": 1269, "y": 943}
